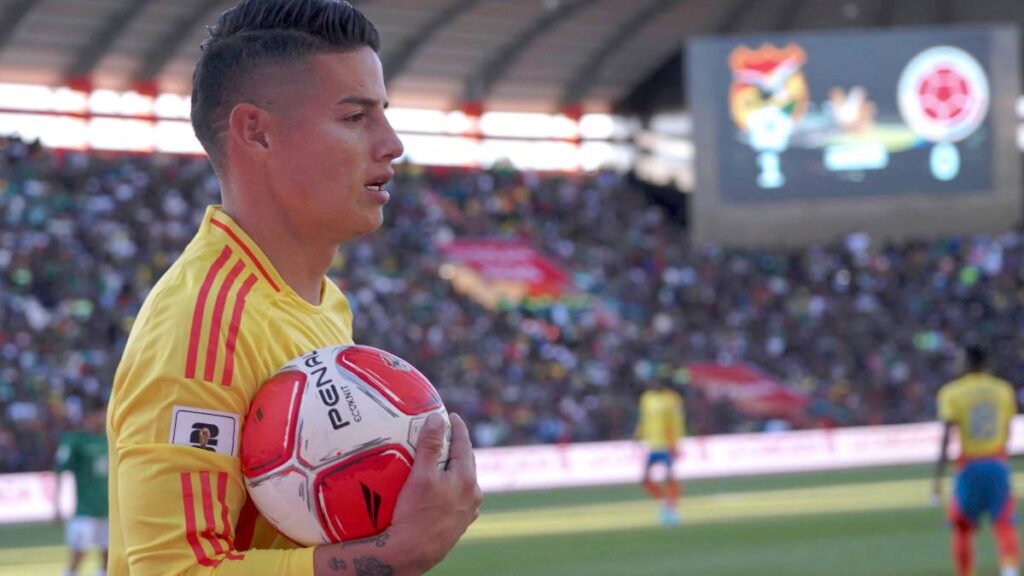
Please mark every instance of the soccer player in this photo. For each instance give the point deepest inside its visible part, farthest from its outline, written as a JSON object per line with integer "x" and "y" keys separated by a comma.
{"x": 288, "y": 101}
{"x": 84, "y": 453}
{"x": 980, "y": 406}
{"x": 661, "y": 425}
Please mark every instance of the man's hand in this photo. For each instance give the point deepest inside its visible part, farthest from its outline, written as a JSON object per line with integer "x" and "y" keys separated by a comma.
{"x": 438, "y": 503}
{"x": 434, "y": 509}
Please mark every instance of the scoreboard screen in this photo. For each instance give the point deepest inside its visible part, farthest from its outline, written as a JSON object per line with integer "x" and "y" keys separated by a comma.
{"x": 845, "y": 114}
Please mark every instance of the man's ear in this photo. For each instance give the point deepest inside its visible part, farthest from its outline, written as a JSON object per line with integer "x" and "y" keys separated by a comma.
{"x": 247, "y": 129}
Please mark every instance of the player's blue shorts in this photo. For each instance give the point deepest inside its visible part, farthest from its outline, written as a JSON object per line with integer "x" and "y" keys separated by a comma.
{"x": 661, "y": 456}
{"x": 983, "y": 487}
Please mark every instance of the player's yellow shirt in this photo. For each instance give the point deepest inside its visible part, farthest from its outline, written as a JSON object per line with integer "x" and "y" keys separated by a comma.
{"x": 981, "y": 406}
{"x": 212, "y": 330}
{"x": 662, "y": 422}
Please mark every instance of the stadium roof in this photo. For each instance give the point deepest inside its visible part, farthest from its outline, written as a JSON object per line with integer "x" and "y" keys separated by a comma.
{"x": 537, "y": 55}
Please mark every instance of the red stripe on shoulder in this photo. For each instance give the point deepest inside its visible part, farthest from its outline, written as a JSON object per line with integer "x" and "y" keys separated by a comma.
{"x": 210, "y": 529}
{"x": 236, "y": 323}
{"x": 200, "y": 309}
{"x": 191, "y": 531}
{"x": 245, "y": 248}
{"x": 218, "y": 315}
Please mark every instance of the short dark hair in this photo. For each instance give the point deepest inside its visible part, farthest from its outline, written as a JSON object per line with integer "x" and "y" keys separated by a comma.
{"x": 976, "y": 357}
{"x": 257, "y": 34}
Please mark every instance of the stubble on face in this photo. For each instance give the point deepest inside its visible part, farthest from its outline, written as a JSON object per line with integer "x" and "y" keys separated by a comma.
{"x": 326, "y": 158}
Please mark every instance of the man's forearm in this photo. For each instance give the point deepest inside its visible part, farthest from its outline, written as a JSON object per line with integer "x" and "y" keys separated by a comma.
{"x": 940, "y": 465}
{"x": 56, "y": 495}
{"x": 374, "y": 556}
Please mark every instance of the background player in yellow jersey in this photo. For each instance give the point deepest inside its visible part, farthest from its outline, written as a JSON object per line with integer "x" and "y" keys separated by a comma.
{"x": 661, "y": 426}
{"x": 288, "y": 100}
{"x": 980, "y": 407}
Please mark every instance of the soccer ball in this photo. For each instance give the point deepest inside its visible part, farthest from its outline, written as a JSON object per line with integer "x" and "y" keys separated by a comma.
{"x": 330, "y": 440}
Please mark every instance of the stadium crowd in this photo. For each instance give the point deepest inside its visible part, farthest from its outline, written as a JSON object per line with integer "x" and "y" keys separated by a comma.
{"x": 869, "y": 331}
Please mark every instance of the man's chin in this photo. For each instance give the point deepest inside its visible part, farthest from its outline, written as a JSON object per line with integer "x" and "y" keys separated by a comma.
{"x": 365, "y": 229}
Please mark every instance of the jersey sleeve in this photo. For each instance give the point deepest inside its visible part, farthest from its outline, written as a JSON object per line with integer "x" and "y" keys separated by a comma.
{"x": 178, "y": 508}
{"x": 947, "y": 406}
{"x": 1010, "y": 409}
{"x": 679, "y": 418}
{"x": 178, "y": 492}
{"x": 1011, "y": 400}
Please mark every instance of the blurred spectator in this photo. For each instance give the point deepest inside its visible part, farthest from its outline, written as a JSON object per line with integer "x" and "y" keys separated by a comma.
{"x": 866, "y": 329}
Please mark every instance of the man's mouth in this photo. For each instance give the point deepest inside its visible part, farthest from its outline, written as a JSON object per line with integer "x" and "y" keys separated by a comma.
{"x": 377, "y": 183}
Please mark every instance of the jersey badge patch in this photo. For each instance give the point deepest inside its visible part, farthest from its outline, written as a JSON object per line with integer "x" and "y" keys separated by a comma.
{"x": 205, "y": 429}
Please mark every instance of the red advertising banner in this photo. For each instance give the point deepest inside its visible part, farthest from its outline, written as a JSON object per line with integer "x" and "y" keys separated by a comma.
{"x": 513, "y": 268}
{"x": 750, "y": 390}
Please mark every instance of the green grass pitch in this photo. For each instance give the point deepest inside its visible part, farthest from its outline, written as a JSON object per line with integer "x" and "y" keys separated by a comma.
{"x": 844, "y": 523}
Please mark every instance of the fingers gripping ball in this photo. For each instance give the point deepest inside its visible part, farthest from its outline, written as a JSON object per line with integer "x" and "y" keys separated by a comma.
{"x": 330, "y": 440}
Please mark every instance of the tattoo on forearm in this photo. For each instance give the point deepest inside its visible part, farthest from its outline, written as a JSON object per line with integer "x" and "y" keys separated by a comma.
{"x": 370, "y": 566}
{"x": 337, "y": 564}
{"x": 381, "y": 540}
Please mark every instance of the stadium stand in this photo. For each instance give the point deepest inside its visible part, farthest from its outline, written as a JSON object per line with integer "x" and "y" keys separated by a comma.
{"x": 866, "y": 330}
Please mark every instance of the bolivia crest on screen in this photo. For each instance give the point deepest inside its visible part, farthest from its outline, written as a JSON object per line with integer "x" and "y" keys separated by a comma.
{"x": 767, "y": 99}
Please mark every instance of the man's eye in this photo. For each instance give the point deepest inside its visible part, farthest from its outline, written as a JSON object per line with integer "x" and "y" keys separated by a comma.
{"x": 357, "y": 117}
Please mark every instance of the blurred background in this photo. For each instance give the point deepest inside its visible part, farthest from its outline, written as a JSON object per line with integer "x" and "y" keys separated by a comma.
{"x": 793, "y": 211}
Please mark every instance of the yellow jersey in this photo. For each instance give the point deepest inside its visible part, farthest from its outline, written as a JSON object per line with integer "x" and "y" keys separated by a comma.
{"x": 981, "y": 406}
{"x": 213, "y": 329}
{"x": 662, "y": 422}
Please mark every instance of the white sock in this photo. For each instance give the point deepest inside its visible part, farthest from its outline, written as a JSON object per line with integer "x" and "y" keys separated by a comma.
{"x": 1010, "y": 571}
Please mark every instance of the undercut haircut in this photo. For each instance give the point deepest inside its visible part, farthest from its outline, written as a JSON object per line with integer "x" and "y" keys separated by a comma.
{"x": 255, "y": 36}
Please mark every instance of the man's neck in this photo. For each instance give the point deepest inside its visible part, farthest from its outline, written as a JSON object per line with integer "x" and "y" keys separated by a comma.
{"x": 301, "y": 264}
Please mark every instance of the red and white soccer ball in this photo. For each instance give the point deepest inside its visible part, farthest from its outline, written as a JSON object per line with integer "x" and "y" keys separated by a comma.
{"x": 330, "y": 440}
